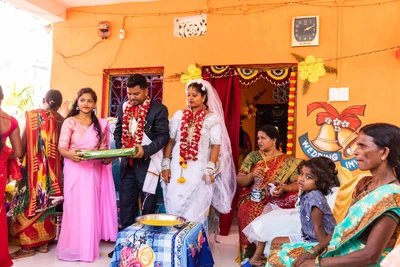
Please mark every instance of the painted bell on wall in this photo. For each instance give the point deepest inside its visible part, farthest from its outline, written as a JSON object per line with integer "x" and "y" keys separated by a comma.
{"x": 347, "y": 140}
{"x": 326, "y": 139}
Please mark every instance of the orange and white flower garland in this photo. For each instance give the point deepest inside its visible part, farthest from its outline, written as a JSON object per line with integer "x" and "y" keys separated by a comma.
{"x": 128, "y": 140}
{"x": 290, "y": 128}
{"x": 189, "y": 150}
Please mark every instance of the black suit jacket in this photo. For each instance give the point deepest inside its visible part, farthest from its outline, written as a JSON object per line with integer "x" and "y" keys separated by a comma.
{"x": 156, "y": 128}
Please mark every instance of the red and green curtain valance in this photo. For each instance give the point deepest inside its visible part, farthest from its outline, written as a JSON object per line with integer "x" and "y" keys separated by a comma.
{"x": 248, "y": 76}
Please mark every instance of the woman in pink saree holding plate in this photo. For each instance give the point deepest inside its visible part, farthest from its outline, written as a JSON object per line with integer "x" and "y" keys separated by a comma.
{"x": 90, "y": 208}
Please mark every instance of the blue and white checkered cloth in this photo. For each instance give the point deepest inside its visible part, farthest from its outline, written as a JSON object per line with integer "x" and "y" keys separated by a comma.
{"x": 187, "y": 246}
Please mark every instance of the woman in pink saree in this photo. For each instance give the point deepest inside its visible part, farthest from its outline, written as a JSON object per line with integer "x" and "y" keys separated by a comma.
{"x": 90, "y": 207}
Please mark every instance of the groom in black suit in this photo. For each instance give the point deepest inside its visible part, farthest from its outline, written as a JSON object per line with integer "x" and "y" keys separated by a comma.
{"x": 133, "y": 176}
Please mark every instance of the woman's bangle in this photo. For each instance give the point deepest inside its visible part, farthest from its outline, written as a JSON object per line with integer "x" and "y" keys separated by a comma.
{"x": 318, "y": 250}
{"x": 312, "y": 252}
{"x": 315, "y": 251}
{"x": 102, "y": 162}
{"x": 317, "y": 261}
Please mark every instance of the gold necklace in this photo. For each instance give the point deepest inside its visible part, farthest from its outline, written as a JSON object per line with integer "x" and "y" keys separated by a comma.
{"x": 265, "y": 160}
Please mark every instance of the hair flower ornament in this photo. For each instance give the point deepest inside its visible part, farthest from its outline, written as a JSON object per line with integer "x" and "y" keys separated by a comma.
{"x": 199, "y": 81}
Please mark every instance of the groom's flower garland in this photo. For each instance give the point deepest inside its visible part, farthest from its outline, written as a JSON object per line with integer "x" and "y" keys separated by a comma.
{"x": 189, "y": 151}
{"x": 128, "y": 140}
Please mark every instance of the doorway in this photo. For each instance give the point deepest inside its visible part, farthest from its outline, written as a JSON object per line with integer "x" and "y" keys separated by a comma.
{"x": 272, "y": 89}
{"x": 276, "y": 115}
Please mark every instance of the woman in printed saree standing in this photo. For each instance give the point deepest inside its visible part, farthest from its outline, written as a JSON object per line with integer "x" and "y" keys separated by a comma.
{"x": 259, "y": 168}
{"x": 34, "y": 212}
{"x": 8, "y": 129}
{"x": 372, "y": 224}
{"x": 201, "y": 172}
{"x": 90, "y": 208}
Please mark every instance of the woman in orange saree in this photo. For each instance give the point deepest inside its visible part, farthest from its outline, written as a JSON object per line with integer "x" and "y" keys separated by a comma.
{"x": 272, "y": 166}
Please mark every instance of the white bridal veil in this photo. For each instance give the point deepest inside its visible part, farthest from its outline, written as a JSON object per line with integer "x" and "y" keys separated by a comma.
{"x": 224, "y": 187}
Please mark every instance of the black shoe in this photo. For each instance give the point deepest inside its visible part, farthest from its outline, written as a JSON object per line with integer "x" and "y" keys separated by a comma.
{"x": 110, "y": 255}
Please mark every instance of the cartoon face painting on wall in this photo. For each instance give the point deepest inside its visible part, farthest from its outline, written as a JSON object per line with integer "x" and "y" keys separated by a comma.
{"x": 336, "y": 138}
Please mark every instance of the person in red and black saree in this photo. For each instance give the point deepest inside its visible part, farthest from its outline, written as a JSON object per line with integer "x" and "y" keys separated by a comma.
{"x": 40, "y": 189}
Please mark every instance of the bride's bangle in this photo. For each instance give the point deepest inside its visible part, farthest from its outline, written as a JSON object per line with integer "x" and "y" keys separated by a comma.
{"x": 210, "y": 168}
{"x": 166, "y": 164}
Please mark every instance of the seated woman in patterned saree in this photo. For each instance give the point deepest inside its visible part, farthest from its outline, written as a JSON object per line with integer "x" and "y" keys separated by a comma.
{"x": 370, "y": 229}
{"x": 274, "y": 167}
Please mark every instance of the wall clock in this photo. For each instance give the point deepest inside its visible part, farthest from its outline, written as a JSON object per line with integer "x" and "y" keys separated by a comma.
{"x": 305, "y": 31}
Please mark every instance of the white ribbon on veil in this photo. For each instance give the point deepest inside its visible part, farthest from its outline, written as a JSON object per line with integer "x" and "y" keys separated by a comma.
{"x": 154, "y": 170}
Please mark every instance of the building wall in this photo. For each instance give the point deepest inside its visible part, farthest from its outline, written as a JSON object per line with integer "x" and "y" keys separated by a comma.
{"x": 262, "y": 38}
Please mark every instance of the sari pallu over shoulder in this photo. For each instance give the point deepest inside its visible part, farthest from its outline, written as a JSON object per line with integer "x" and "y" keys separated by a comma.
{"x": 40, "y": 188}
{"x": 281, "y": 170}
{"x": 345, "y": 236}
{"x": 42, "y": 157}
{"x": 362, "y": 214}
{"x": 88, "y": 168}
